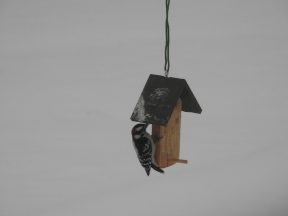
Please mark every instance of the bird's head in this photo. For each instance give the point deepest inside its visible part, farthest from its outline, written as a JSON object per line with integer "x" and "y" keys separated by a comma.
{"x": 139, "y": 130}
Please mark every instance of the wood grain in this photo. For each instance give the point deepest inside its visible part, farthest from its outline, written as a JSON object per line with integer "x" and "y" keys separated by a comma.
{"x": 168, "y": 148}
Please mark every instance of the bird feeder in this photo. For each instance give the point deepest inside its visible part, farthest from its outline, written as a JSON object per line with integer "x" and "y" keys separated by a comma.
{"x": 160, "y": 104}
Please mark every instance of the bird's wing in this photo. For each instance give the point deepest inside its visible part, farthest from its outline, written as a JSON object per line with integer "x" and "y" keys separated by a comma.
{"x": 145, "y": 154}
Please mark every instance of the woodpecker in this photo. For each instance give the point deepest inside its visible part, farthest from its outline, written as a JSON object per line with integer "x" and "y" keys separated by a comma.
{"x": 145, "y": 148}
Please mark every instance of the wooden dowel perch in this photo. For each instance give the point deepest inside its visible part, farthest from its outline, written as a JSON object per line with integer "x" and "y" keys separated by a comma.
{"x": 180, "y": 161}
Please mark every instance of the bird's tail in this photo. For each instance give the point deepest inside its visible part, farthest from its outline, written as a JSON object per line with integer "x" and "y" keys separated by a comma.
{"x": 147, "y": 171}
{"x": 158, "y": 169}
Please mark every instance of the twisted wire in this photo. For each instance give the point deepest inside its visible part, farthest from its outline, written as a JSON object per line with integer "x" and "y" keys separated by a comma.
{"x": 167, "y": 31}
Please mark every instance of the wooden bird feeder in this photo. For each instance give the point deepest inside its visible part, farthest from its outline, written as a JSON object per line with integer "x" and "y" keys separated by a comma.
{"x": 160, "y": 104}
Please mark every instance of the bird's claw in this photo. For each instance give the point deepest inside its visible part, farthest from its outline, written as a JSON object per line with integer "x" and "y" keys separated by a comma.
{"x": 157, "y": 138}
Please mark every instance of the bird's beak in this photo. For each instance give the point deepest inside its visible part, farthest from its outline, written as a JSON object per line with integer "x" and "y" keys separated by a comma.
{"x": 146, "y": 125}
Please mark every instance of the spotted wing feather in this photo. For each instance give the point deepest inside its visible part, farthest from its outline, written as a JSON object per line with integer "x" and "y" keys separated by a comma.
{"x": 145, "y": 154}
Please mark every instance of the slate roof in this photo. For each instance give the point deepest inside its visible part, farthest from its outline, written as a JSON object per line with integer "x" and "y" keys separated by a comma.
{"x": 160, "y": 96}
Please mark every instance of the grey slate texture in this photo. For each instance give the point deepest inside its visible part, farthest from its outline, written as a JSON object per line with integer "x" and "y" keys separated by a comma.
{"x": 160, "y": 96}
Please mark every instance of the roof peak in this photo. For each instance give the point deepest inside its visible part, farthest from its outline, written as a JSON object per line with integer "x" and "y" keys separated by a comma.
{"x": 160, "y": 96}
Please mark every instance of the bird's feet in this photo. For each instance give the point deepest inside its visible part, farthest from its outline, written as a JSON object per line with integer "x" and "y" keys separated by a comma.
{"x": 157, "y": 138}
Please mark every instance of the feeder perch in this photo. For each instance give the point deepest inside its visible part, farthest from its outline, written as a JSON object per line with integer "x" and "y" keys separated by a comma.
{"x": 160, "y": 104}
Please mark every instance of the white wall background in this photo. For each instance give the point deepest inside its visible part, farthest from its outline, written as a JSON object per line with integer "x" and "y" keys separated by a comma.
{"x": 71, "y": 73}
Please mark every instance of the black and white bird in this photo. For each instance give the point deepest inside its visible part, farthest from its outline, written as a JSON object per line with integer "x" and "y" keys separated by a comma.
{"x": 145, "y": 148}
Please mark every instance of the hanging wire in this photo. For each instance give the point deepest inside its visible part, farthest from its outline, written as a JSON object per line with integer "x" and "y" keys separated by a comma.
{"x": 167, "y": 29}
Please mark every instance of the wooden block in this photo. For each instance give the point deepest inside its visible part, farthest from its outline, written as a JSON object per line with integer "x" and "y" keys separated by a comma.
{"x": 168, "y": 148}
